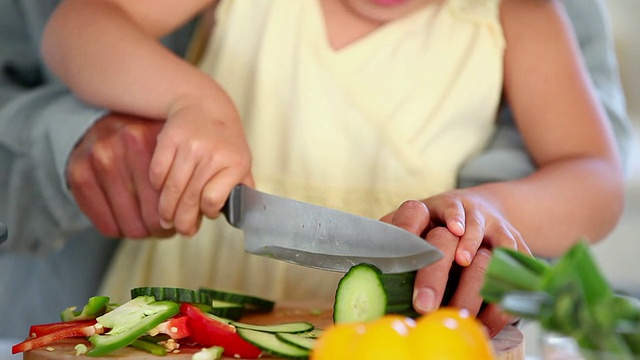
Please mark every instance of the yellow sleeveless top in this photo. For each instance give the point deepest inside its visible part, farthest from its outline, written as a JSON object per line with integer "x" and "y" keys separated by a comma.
{"x": 388, "y": 118}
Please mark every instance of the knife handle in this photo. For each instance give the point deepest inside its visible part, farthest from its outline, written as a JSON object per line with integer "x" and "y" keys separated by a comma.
{"x": 232, "y": 207}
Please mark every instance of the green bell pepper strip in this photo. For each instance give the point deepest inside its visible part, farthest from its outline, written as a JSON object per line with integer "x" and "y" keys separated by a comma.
{"x": 129, "y": 321}
{"x": 150, "y": 347}
{"x": 95, "y": 307}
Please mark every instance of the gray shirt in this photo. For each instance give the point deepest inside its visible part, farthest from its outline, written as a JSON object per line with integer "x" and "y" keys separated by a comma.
{"x": 54, "y": 258}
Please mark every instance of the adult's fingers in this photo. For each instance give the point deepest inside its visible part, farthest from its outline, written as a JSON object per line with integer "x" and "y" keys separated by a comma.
{"x": 140, "y": 140}
{"x": 99, "y": 180}
{"x": 431, "y": 281}
{"x": 89, "y": 195}
{"x": 108, "y": 175}
{"x": 114, "y": 178}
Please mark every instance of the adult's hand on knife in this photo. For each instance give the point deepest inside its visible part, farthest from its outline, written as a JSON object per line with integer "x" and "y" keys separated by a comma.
{"x": 431, "y": 281}
{"x": 108, "y": 175}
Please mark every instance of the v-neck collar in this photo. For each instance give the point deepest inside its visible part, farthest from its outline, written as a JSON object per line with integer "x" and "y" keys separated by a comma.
{"x": 318, "y": 24}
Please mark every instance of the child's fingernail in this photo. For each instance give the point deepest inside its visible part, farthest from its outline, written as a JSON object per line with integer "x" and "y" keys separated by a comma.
{"x": 167, "y": 225}
{"x": 424, "y": 300}
{"x": 466, "y": 257}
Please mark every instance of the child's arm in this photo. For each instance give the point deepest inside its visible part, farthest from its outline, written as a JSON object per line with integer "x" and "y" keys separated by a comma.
{"x": 577, "y": 189}
{"x": 109, "y": 54}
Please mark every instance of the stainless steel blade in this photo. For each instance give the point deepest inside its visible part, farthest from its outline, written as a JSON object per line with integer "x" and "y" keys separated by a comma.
{"x": 323, "y": 238}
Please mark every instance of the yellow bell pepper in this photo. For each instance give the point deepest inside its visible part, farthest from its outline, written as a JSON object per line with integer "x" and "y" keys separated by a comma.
{"x": 446, "y": 334}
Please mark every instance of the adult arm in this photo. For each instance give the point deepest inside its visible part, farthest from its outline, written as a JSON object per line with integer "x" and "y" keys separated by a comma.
{"x": 53, "y": 258}
{"x": 39, "y": 129}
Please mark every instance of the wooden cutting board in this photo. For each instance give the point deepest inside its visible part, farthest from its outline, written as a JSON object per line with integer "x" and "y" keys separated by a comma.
{"x": 508, "y": 345}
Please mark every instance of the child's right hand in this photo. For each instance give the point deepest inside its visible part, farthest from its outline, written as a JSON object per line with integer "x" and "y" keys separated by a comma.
{"x": 202, "y": 153}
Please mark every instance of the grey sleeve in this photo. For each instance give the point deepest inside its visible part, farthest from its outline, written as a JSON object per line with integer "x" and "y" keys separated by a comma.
{"x": 39, "y": 130}
{"x": 53, "y": 258}
{"x": 506, "y": 157}
{"x": 40, "y": 123}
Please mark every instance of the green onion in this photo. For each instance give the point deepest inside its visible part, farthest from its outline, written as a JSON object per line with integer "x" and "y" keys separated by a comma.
{"x": 570, "y": 297}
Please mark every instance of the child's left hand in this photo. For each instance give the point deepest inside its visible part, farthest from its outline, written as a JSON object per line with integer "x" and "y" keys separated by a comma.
{"x": 475, "y": 220}
{"x": 464, "y": 226}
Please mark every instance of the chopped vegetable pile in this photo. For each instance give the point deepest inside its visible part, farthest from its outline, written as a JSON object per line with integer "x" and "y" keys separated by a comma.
{"x": 160, "y": 320}
{"x": 570, "y": 297}
{"x": 371, "y": 311}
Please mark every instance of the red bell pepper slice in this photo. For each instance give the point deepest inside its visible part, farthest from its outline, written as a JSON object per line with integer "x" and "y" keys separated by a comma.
{"x": 58, "y": 332}
{"x": 209, "y": 332}
{"x": 176, "y": 327}
{"x": 44, "y": 329}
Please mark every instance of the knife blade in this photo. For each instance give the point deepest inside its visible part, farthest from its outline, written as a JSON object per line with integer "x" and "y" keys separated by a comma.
{"x": 320, "y": 237}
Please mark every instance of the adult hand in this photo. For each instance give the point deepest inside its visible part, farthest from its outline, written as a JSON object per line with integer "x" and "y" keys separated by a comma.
{"x": 108, "y": 175}
{"x": 432, "y": 281}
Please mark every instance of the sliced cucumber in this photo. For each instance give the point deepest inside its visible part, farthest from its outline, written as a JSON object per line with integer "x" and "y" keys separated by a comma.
{"x": 290, "y": 327}
{"x": 298, "y": 340}
{"x": 220, "y": 319}
{"x": 314, "y": 334}
{"x": 227, "y": 310}
{"x": 175, "y": 294}
{"x": 364, "y": 293}
{"x": 269, "y": 342}
{"x": 360, "y": 295}
{"x": 250, "y": 302}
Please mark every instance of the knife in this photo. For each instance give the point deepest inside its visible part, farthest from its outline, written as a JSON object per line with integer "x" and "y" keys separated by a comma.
{"x": 320, "y": 237}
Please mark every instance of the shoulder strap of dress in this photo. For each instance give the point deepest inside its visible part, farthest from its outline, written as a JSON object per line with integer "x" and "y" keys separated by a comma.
{"x": 476, "y": 9}
{"x": 484, "y": 12}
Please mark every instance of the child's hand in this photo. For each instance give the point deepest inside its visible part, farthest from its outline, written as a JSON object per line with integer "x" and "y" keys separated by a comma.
{"x": 464, "y": 226}
{"x": 202, "y": 153}
{"x": 475, "y": 220}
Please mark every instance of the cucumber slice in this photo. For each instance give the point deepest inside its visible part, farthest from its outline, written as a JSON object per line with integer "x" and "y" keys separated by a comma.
{"x": 298, "y": 340}
{"x": 227, "y": 310}
{"x": 174, "y": 294}
{"x": 269, "y": 342}
{"x": 250, "y": 302}
{"x": 364, "y": 293}
{"x": 360, "y": 295}
{"x": 314, "y": 334}
{"x": 291, "y": 327}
